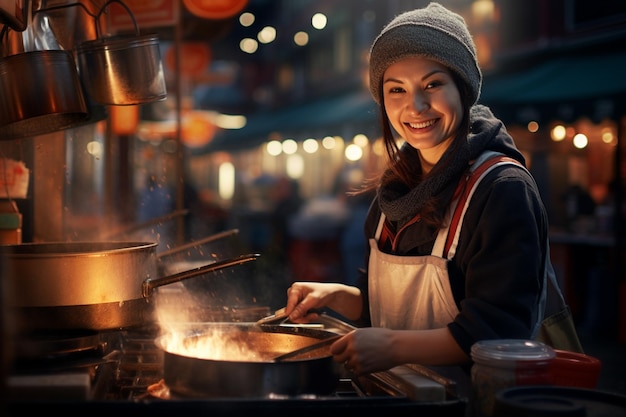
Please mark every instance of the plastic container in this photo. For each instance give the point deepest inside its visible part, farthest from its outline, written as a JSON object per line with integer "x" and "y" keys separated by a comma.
{"x": 572, "y": 369}
{"x": 505, "y": 363}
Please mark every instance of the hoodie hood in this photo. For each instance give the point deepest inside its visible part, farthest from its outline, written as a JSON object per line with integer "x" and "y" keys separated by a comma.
{"x": 488, "y": 133}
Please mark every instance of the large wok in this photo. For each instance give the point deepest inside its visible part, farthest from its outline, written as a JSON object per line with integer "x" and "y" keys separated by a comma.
{"x": 88, "y": 285}
{"x": 234, "y": 373}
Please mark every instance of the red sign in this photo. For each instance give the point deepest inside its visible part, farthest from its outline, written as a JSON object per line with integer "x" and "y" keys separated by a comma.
{"x": 147, "y": 13}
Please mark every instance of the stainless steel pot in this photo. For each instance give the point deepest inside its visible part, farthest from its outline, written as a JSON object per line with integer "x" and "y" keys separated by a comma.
{"x": 40, "y": 92}
{"x": 88, "y": 285}
{"x": 231, "y": 376}
{"x": 122, "y": 70}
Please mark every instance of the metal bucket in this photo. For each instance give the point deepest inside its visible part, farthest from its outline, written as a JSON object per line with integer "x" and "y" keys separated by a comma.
{"x": 122, "y": 70}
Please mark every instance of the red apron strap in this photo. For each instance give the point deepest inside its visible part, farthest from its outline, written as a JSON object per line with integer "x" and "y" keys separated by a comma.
{"x": 465, "y": 187}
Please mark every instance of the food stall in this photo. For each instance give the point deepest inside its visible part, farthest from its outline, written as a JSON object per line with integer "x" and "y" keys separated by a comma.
{"x": 83, "y": 325}
{"x": 82, "y": 319}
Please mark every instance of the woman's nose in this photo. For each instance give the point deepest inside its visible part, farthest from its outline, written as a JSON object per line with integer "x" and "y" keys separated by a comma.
{"x": 420, "y": 103}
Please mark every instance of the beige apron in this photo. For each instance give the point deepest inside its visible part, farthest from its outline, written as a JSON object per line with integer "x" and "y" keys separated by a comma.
{"x": 413, "y": 292}
{"x": 408, "y": 292}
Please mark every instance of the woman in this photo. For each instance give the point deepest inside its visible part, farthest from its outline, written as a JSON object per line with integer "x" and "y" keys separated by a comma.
{"x": 423, "y": 307}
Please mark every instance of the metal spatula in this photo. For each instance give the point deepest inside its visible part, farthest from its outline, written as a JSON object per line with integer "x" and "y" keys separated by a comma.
{"x": 278, "y": 317}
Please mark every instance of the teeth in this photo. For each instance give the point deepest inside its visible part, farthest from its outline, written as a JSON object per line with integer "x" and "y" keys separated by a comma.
{"x": 422, "y": 125}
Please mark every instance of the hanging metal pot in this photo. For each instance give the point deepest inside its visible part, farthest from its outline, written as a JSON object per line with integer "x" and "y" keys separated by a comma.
{"x": 122, "y": 70}
{"x": 40, "y": 93}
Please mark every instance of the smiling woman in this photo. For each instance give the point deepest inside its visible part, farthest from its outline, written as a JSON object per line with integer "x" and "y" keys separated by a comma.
{"x": 452, "y": 209}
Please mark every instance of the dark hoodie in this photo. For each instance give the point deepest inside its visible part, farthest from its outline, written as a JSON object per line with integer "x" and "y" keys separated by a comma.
{"x": 497, "y": 273}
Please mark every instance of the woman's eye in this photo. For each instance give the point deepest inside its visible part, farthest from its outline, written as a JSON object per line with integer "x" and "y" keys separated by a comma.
{"x": 394, "y": 90}
{"x": 433, "y": 84}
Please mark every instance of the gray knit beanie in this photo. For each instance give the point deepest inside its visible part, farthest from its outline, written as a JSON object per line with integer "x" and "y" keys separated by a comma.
{"x": 433, "y": 32}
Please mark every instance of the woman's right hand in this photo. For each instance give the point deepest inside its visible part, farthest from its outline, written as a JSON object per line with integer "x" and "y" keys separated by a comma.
{"x": 304, "y": 297}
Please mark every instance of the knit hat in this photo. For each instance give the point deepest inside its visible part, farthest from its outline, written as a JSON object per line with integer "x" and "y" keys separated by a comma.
{"x": 433, "y": 32}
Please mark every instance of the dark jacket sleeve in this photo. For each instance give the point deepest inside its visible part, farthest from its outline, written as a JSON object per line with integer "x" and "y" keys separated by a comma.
{"x": 497, "y": 273}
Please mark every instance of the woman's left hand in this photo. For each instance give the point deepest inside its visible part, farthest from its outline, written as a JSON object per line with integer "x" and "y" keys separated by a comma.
{"x": 365, "y": 350}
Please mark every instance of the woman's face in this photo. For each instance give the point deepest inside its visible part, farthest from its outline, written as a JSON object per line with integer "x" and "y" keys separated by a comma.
{"x": 423, "y": 104}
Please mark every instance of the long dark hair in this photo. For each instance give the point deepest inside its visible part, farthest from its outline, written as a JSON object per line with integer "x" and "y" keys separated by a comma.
{"x": 402, "y": 169}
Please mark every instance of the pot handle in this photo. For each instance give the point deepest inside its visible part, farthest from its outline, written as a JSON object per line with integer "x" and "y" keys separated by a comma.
{"x": 150, "y": 284}
{"x": 121, "y": 3}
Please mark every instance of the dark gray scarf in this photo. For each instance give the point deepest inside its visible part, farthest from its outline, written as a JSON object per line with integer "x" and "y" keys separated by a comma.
{"x": 486, "y": 133}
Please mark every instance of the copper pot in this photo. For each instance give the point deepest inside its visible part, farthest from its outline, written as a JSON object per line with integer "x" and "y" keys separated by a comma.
{"x": 122, "y": 70}
{"x": 88, "y": 285}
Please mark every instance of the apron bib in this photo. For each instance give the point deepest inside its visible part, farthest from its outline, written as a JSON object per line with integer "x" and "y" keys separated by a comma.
{"x": 409, "y": 292}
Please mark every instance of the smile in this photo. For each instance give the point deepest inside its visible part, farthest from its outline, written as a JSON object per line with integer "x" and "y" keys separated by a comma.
{"x": 422, "y": 125}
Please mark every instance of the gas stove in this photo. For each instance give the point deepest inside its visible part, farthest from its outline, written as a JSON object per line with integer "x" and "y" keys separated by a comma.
{"x": 121, "y": 372}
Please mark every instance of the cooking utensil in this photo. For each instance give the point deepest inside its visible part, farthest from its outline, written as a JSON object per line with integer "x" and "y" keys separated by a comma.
{"x": 88, "y": 285}
{"x": 151, "y": 283}
{"x": 122, "y": 70}
{"x": 305, "y": 351}
{"x": 278, "y": 317}
{"x": 230, "y": 376}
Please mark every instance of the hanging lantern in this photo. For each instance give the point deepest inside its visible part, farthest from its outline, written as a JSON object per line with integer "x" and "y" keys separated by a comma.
{"x": 124, "y": 119}
{"x": 197, "y": 130}
{"x": 215, "y": 9}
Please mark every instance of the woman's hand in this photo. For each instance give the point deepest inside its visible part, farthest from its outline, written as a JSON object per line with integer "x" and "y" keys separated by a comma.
{"x": 304, "y": 297}
{"x": 365, "y": 350}
{"x": 373, "y": 349}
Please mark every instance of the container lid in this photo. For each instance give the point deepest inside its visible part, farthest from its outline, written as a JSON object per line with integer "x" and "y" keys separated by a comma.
{"x": 547, "y": 401}
{"x": 511, "y": 350}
